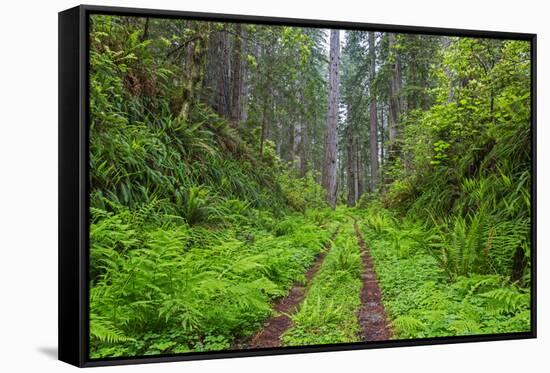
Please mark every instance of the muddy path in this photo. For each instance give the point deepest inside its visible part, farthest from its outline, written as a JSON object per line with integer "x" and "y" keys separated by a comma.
{"x": 277, "y": 325}
{"x": 371, "y": 315}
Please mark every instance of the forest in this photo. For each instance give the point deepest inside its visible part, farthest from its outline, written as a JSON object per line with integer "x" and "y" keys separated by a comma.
{"x": 257, "y": 186}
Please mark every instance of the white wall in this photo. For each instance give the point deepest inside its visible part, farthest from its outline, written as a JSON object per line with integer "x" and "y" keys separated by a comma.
{"x": 28, "y": 184}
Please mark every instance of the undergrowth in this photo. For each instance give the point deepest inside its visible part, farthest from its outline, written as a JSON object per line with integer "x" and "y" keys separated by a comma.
{"x": 172, "y": 288}
{"x": 421, "y": 298}
{"x": 195, "y": 233}
{"x": 328, "y": 312}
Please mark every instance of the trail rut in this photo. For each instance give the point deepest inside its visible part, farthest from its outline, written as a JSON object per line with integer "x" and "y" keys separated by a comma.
{"x": 277, "y": 325}
{"x": 372, "y": 315}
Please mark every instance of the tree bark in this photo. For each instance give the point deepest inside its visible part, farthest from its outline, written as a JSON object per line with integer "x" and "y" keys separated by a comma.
{"x": 446, "y": 44}
{"x": 194, "y": 67}
{"x": 351, "y": 175}
{"x": 303, "y": 148}
{"x": 223, "y": 106}
{"x": 382, "y": 125}
{"x": 266, "y": 105}
{"x": 395, "y": 100}
{"x": 518, "y": 265}
{"x": 373, "y": 116}
{"x": 329, "y": 169}
{"x": 145, "y": 33}
{"x": 237, "y": 75}
{"x": 359, "y": 171}
{"x": 263, "y": 128}
{"x": 244, "y": 78}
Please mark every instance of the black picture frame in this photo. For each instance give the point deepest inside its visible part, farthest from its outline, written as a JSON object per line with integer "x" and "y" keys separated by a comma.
{"x": 74, "y": 188}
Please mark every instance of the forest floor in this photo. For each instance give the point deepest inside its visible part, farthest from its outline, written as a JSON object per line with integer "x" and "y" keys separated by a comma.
{"x": 277, "y": 325}
{"x": 340, "y": 276}
{"x": 371, "y": 315}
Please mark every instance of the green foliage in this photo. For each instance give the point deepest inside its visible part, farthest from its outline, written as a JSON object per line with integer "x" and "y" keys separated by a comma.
{"x": 379, "y": 222}
{"x": 204, "y": 287}
{"x": 420, "y": 296}
{"x": 464, "y": 169}
{"x": 139, "y": 156}
{"x": 103, "y": 331}
{"x": 194, "y": 206}
{"x": 193, "y": 235}
{"x": 301, "y": 193}
{"x": 328, "y": 312}
{"x": 189, "y": 239}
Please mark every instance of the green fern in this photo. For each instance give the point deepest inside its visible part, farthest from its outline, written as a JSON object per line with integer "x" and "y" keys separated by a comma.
{"x": 104, "y": 330}
{"x": 507, "y": 300}
{"x": 408, "y": 327}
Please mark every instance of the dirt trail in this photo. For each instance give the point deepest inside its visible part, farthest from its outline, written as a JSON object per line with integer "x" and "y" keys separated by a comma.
{"x": 270, "y": 335}
{"x": 372, "y": 315}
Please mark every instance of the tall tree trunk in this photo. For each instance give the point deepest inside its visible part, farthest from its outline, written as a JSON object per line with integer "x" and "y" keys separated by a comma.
{"x": 351, "y": 175}
{"x": 382, "y": 131}
{"x": 329, "y": 169}
{"x": 317, "y": 162}
{"x": 244, "y": 78}
{"x": 291, "y": 131}
{"x": 359, "y": 171}
{"x": 446, "y": 44}
{"x": 194, "y": 67}
{"x": 395, "y": 100}
{"x": 412, "y": 98}
{"x": 237, "y": 75}
{"x": 303, "y": 148}
{"x": 304, "y": 139}
{"x": 373, "y": 116}
{"x": 266, "y": 104}
{"x": 212, "y": 71}
{"x": 263, "y": 129}
{"x": 145, "y": 33}
{"x": 296, "y": 139}
{"x": 224, "y": 86}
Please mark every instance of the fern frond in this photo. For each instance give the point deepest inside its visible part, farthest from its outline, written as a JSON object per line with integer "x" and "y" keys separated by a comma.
{"x": 104, "y": 330}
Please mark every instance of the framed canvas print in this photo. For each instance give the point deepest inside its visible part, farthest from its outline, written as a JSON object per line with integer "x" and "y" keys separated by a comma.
{"x": 238, "y": 185}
